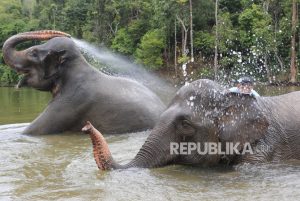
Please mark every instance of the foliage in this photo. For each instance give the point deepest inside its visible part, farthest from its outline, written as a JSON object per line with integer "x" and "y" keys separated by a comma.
{"x": 183, "y": 59}
{"x": 205, "y": 73}
{"x": 150, "y": 49}
{"x": 123, "y": 42}
{"x": 7, "y": 76}
{"x": 127, "y": 39}
{"x": 204, "y": 42}
{"x": 14, "y": 19}
{"x": 253, "y": 35}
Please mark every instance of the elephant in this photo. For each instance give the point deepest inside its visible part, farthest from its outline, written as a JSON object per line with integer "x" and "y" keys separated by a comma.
{"x": 205, "y": 112}
{"x": 79, "y": 91}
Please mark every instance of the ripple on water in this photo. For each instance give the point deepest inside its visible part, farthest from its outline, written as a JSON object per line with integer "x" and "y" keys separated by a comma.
{"x": 61, "y": 167}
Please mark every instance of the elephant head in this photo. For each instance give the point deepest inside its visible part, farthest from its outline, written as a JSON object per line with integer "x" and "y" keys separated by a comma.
{"x": 200, "y": 112}
{"x": 40, "y": 64}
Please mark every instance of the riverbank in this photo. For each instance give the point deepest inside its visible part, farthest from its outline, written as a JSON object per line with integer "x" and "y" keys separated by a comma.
{"x": 8, "y": 85}
{"x": 284, "y": 84}
{"x": 193, "y": 73}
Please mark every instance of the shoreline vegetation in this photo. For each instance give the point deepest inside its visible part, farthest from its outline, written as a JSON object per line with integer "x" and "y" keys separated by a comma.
{"x": 170, "y": 77}
{"x": 220, "y": 40}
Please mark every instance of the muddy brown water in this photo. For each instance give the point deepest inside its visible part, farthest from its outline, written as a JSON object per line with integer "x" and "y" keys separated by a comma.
{"x": 61, "y": 167}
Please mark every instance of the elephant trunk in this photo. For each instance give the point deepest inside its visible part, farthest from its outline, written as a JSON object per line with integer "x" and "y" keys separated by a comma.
{"x": 101, "y": 151}
{"x": 15, "y": 59}
{"x": 154, "y": 153}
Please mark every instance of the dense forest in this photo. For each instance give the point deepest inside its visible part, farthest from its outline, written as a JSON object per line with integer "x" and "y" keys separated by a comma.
{"x": 211, "y": 38}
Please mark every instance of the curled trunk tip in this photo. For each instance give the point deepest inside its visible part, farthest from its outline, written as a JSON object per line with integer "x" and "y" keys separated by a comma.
{"x": 87, "y": 128}
{"x": 15, "y": 59}
{"x": 101, "y": 151}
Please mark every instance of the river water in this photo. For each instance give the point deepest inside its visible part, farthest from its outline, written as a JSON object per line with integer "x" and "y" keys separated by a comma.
{"x": 61, "y": 167}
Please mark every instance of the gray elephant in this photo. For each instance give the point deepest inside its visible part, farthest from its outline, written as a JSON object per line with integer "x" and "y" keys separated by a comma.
{"x": 204, "y": 112}
{"x": 80, "y": 92}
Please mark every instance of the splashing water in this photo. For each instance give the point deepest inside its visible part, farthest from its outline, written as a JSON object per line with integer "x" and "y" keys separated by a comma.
{"x": 119, "y": 65}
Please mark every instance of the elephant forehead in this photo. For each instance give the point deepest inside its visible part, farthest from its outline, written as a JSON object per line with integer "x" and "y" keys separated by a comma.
{"x": 195, "y": 108}
{"x": 38, "y": 48}
{"x": 59, "y": 43}
{"x": 205, "y": 84}
{"x": 200, "y": 89}
{"x": 203, "y": 99}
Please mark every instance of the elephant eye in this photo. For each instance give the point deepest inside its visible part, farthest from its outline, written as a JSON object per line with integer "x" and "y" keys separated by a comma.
{"x": 185, "y": 124}
{"x": 185, "y": 128}
{"x": 33, "y": 53}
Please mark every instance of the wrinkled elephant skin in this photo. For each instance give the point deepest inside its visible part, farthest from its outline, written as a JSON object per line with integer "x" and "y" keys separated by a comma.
{"x": 80, "y": 92}
{"x": 204, "y": 112}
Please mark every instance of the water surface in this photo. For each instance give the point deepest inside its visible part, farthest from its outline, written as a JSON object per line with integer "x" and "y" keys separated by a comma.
{"x": 21, "y": 105}
{"x": 61, "y": 167}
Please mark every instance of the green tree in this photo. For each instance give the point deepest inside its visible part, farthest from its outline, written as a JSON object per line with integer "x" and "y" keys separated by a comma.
{"x": 76, "y": 13}
{"x": 123, "y": 42}
{"x": 14, "y": 20}
{"x": 204, "y": 43}
{"x": 253, "y": 35}
{"x": 150, "y": 49}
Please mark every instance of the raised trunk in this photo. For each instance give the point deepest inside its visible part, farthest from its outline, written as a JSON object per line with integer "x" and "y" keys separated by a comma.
{"x": 154, "y": 153}
{"x": 14, "y": 58}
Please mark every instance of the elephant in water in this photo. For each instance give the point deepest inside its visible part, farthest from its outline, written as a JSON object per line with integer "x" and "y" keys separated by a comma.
{"x": 204, "y": 112}
{"x": 80, "y": 92}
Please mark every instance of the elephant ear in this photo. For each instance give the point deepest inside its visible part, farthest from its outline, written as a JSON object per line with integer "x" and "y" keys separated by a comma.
{"x": 53, "y": 60}
{"x": 241, "y": 120}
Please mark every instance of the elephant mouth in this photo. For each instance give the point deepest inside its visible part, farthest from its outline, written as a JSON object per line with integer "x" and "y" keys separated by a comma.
{"x": 25, "y": 74}
{"x": 22, "y": 70}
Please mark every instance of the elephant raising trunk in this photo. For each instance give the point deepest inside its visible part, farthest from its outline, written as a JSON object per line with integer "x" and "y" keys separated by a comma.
{"x": 79, "y": 91}
{"x": 14, "y": 58}
{"x": 203, "y": 113}
{"x": 150, "y": 155}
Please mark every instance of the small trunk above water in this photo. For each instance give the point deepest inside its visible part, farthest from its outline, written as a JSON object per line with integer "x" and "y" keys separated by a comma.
{"x": 101, "y": 151}
{"x": 150, "y": 155}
